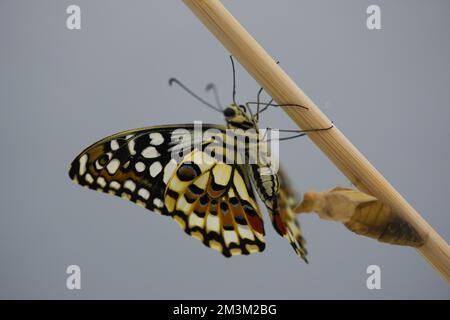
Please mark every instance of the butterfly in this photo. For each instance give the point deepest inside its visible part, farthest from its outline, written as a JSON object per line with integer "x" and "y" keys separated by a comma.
{"x": 167, "y": 170}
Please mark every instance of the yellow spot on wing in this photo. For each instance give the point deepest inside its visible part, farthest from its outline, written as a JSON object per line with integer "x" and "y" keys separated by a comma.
{"x": 240, "y": 186}
{"x": 170, "y": 203}
{"x": 180, "y": 221}
{"x": 252, "y": 248}
{"x": 235, "y": 251}
{"x": 197, "y": 235}
{"x": 215, "y": 245}
{"x": 222, "y": 173}
{"x": 196, "y": 221}
{"x": 202, "y": 181}
{"x": 140, "y": 203}
{"x": 230, "y": 236}
{"x": 183, "y": 205}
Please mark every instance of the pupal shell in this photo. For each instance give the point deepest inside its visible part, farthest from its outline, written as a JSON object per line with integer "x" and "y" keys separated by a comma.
{"x": 362, "y": 214}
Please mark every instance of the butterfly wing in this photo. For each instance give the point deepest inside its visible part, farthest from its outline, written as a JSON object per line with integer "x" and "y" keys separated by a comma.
{"x": 134, "y": 165}
{"x": 284, "y": 218}
{"x": 214, "y": 202}
{"x": 139, "y": 165}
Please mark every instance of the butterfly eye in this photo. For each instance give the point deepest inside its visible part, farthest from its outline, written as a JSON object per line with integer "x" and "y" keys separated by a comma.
{"x": 229, "y": 112}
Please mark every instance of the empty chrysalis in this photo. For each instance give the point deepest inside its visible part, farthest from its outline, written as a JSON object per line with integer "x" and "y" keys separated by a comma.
{"x": 362, "y": 214}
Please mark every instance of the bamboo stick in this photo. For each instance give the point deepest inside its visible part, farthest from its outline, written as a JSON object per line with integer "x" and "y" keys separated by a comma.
{"x": 332, "y": 142}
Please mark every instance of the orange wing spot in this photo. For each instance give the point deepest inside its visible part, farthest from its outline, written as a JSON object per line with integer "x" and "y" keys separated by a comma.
{"x": 226, "y": 217}
{"x": 238, "y": 213}
{"x": 279, "y": 224}
{"x": 214, "y": 194}
{"x": 96, "y": 152}
{"x": 200, "y": 208}
{"x": 256, "y": 223}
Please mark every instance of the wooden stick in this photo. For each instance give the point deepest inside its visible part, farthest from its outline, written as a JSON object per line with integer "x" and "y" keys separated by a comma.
{"x": 332, "y": 142}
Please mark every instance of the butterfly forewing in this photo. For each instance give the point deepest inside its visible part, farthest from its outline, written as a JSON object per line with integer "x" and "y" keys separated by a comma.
{"x": 134, "y": 165}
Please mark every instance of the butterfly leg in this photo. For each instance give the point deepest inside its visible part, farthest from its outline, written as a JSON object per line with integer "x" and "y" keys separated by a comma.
{"x": 258, "y": 99}
{"x": 300, "y": 133}
{"x": 266, "y": 106}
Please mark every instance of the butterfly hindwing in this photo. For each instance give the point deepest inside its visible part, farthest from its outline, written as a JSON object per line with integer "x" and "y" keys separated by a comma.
{"x": 284, "y": 218}
{"x": 214, "y": 202}
{"x": 211, "y": 200}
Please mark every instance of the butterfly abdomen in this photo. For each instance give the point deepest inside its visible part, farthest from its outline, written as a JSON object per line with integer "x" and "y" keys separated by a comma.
{"x": 267, "y": 186}
{"x": 278, "y": 204}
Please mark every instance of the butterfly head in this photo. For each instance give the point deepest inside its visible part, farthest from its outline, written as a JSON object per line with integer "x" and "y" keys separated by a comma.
{"x": 238, "y": 116}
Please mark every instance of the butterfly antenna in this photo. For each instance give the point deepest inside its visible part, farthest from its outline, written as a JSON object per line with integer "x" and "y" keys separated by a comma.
{"x": 234, "y": 79}
{"x": 212, "y": 86}
{"x": 178, "y": 82}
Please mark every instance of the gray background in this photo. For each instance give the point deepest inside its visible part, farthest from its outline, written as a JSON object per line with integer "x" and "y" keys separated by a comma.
{"x": 61, "y": 90}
